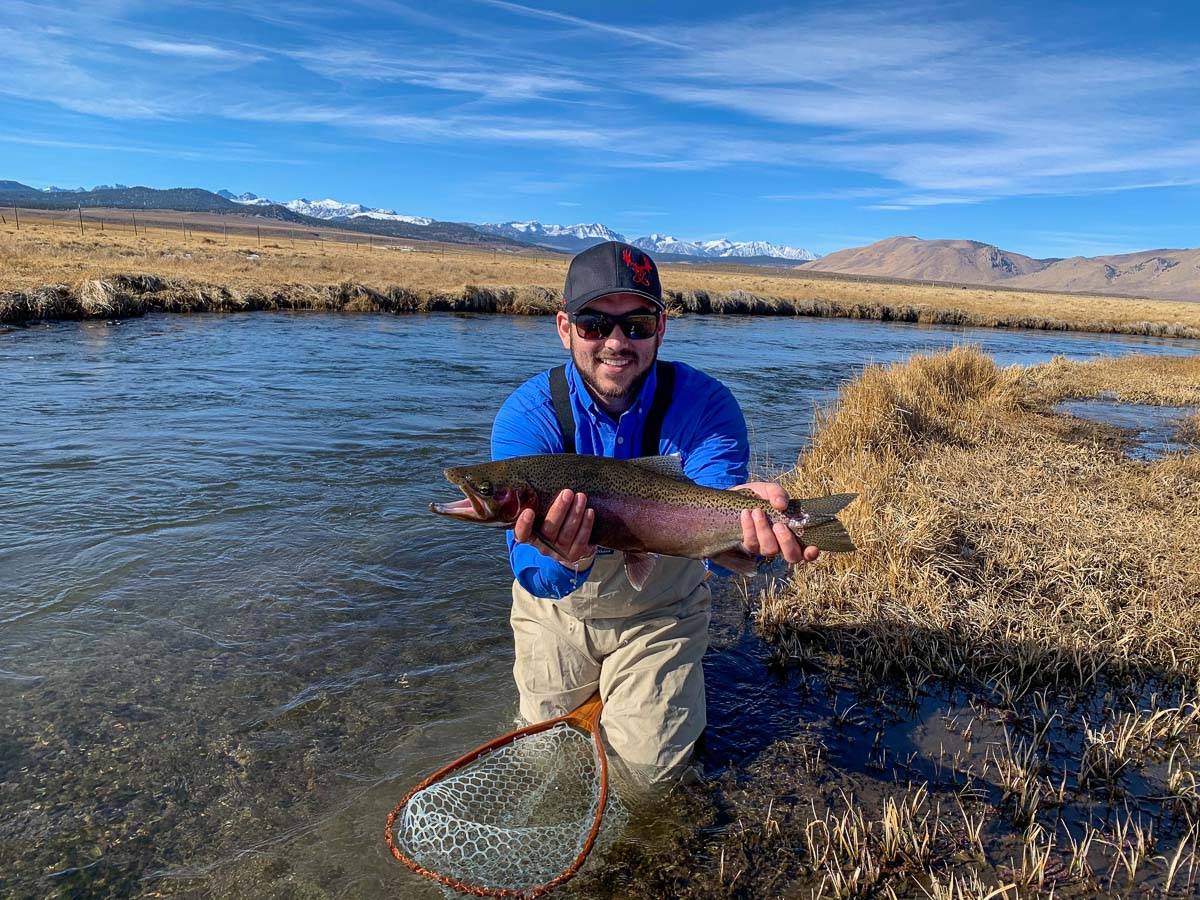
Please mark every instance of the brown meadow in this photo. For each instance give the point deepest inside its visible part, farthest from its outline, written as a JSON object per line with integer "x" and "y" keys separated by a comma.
{"x": 51, "y": 268}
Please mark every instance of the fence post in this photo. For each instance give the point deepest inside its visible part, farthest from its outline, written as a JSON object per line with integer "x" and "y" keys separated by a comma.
{"x": 18, "y": 217}
{"x": 79, "y": 206}
{"x": 134, "y": 223}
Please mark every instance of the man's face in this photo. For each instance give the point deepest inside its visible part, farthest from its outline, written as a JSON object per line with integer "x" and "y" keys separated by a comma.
{"x": 613, "y": 367}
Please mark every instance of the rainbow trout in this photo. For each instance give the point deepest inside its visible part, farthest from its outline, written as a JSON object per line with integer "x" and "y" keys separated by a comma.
{"x": 644, "y": 507}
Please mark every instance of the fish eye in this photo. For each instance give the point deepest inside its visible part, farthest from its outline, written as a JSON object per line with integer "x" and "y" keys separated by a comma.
{"x": 485, "y": 488}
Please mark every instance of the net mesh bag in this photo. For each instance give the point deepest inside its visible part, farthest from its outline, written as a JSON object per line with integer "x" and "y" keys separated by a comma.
{"x": 513, "y": 819}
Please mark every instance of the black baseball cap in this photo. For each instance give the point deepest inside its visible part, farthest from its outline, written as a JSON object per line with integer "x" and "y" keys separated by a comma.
{"x": 610, "y": 268}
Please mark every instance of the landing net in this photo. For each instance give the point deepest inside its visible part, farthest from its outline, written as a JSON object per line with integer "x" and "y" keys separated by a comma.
{"x": 512, "y": 819}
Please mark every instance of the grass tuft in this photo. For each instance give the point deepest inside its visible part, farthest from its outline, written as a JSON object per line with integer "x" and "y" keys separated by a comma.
{"x": 998, "y": 542}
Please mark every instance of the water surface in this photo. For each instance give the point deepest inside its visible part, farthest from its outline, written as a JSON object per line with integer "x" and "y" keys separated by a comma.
{"x": 231, "y": 633}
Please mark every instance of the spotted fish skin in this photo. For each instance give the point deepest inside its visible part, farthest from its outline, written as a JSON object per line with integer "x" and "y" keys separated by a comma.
{"x": 642, "y": 506}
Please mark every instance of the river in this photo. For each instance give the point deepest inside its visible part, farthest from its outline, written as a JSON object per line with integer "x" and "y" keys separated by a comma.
{"x": 231, "y": 633}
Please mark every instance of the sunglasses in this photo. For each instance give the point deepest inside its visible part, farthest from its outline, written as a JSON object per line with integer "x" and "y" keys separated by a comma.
{"x": 636, "y": 325}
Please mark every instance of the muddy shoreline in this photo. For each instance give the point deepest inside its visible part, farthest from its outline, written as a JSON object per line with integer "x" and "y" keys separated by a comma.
{"x": 131, "y": 295}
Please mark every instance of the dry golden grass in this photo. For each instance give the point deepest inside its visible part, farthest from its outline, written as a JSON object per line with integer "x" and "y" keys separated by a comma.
{"x": 1017, "y": 554}
{"x": 194, "y": 256}
{"x": 998, "y": 541}
{"x": 1137, "y": 378}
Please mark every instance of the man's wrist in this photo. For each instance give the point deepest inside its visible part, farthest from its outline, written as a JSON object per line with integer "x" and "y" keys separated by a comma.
{"x": 581, "y": 564}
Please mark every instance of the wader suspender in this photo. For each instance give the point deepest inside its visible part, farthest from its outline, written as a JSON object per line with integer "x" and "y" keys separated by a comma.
{"x": 560, "y": 394}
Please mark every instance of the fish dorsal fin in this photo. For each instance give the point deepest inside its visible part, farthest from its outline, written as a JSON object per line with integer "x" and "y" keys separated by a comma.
{"x": 667, "y": 466}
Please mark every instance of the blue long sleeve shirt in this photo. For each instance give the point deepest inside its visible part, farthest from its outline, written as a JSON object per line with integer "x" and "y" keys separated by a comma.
{"x": 704, "y": 424}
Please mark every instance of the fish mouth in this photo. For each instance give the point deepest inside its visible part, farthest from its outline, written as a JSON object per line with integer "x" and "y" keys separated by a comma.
{"x": 473, "y": 508}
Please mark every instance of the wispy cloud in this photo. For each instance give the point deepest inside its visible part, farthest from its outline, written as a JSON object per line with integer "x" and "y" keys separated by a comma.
{"x": 911, "y": 109}
{"x": 460, "y": 72}
{"x": 186, "y": 50}
{"x": 643, "y": 36}
{"x": 229, "y": 152}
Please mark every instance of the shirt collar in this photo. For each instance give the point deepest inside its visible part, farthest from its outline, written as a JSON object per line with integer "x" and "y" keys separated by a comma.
{"x": 585, "y": 399}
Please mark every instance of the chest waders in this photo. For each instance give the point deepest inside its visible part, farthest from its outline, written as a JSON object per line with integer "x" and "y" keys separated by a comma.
{"x": 641, "y": 650}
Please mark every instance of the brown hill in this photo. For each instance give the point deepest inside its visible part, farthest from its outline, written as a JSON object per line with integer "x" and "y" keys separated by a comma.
{"x": 1162, "y": 274}
{"x": 962, "y": 262}
{"x": 1158, "y": 274}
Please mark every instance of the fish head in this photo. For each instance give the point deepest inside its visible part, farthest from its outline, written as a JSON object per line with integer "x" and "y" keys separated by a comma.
{"x": 494, "y": 494}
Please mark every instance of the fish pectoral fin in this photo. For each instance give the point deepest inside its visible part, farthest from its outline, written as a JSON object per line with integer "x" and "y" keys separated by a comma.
{"x": 668, "y": 466}
{"x": 639, "y": 567}
{"x": 737, "y": 559}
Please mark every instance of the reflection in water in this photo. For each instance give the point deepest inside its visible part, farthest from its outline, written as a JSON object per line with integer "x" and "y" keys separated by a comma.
{"x": 1155, "y": 429}
{"x": 232, "y": 634}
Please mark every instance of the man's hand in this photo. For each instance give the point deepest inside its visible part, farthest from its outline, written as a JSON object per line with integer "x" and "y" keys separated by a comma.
{"x": 764, "y": 539}
{"x": 568, "y": 525}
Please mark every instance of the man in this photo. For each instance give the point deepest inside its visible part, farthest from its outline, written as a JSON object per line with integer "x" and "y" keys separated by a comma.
{"x": 578, "y": 623}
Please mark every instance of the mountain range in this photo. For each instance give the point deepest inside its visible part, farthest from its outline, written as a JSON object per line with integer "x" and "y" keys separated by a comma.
{"x": 574, "y": 238}
{"x": 200, "y": 200}
{"x": 328, "y": 210}
{"x": 1162, "y": 274}
{"x": 569, "y": 238}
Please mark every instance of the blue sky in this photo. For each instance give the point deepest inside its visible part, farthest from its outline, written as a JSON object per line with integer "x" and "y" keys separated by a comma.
{"x": 1051, "y": 129}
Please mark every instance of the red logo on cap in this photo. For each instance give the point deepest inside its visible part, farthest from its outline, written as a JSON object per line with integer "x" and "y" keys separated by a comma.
{"x": 641, "y": 272}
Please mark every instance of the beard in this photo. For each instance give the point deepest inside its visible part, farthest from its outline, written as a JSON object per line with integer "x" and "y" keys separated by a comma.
{"x": 606, "y": 387}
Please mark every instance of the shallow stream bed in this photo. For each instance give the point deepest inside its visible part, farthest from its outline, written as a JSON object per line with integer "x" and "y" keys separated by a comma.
{"x": 231, "y": 634}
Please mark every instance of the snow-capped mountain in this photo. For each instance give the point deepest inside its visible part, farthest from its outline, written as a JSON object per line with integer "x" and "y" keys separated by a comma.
{"x": 664, "y": 243}
{"x": 393, "y": 217}
{"x": 526, "y": 231}
{"x": 248, "y": 199}
{"x": 721, "y": 249}
{"x": 53, "y": 189}
{"x": 329, "y": 210}
{"x": 572, "y": 238}
{"x": 562, "y": 237}
{"x": 726, "y": 248}
{"x": 579, "y": 237}
{"x": 334, "y": 210}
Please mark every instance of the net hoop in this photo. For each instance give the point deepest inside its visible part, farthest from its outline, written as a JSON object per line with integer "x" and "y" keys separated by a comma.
{"x": 586, "y": 717}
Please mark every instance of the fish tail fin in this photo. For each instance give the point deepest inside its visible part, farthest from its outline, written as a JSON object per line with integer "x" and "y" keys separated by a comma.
{"x": 830, "y": 535}
{"x": 820, "y": 507}
{"x": 823, "y": 530}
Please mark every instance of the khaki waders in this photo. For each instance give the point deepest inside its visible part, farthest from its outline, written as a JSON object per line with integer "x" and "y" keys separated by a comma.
{"x": 641, "y": 649}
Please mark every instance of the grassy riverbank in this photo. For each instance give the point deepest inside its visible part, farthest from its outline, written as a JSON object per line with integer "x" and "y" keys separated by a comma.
{"x": 986, "y": 517}
{"x": 1001, "y": 684}
{"x": 1019, "y": 558}
{"x": 48, "y": 270}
